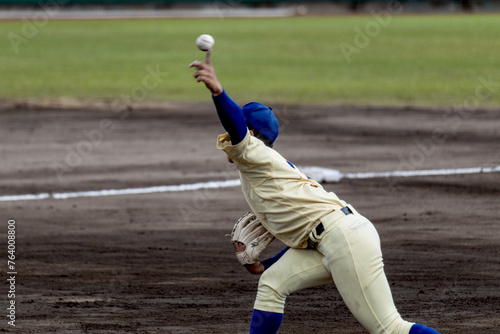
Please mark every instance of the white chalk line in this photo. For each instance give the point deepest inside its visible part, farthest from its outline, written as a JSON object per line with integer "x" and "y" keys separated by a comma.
{"x": 319, "y": 174}
{"x": 330, "y": 175}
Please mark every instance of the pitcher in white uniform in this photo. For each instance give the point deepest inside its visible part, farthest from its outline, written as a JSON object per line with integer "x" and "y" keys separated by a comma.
{"x": 328, "y": 239}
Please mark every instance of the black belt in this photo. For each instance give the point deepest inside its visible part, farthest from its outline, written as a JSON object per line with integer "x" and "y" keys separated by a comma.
{"x": 320, "y": 228}
{"x": 347, "y": 210}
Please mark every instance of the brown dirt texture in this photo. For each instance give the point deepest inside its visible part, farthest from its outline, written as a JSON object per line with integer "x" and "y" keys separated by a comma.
{"x": 160, "y": 262}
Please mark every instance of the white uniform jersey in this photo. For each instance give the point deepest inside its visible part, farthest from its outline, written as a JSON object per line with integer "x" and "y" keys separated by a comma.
{"x": 287, "y": 202}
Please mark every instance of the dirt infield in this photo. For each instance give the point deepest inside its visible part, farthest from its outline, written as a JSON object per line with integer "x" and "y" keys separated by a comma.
{"x": 160, "y": 263}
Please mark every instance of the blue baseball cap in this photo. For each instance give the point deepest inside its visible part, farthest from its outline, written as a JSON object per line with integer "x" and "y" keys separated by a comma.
{"x": 262, "y": 119}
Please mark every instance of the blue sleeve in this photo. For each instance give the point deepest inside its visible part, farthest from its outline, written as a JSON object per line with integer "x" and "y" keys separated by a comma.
{"x": 231, "y": 116}
{"x": 269, "y": 262}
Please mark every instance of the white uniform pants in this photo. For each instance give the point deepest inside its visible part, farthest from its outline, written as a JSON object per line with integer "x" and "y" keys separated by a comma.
{"x": 350, "y": 254}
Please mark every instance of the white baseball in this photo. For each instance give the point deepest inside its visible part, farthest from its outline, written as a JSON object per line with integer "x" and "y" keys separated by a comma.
{"x": 205, "y": 42}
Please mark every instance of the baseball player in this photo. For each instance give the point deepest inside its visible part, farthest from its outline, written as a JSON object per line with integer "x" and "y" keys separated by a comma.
{"x": 328, "y": 239}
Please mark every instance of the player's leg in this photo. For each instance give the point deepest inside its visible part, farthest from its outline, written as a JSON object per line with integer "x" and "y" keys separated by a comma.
{"x": 297, "y": 269}
{"x": 354, "y": 258}
{"x": 264, "y": 322}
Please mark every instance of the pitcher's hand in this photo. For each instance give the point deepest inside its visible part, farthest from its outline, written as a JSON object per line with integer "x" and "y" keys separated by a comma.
{"x": 205, "y": 73}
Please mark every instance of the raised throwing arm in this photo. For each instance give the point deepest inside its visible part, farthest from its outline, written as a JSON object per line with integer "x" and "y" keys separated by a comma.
{"x": 230, "y": 113}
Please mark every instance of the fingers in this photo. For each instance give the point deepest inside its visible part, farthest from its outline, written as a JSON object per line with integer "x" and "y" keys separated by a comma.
{"x": 208, "y": 57}
{"x": 199, "y": 73}
{"x": 198, "y": 76}
{"x": 239, "y": 246}
{"x": 204, "y": 75}
{"x": 202, "y": 68}
{"x": 198, "y": 64}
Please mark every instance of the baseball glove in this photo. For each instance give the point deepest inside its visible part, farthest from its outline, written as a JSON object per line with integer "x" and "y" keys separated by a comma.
{"x": 249, "y": 230}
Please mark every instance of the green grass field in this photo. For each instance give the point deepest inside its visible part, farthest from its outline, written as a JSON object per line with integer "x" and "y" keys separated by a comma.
{"x": 416, "y": 60}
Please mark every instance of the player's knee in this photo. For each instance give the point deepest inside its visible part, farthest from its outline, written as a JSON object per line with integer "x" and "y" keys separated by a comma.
{"x": 270, "y": 297}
